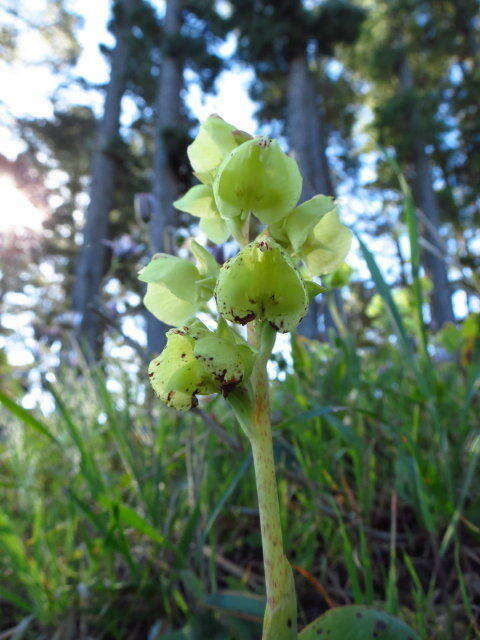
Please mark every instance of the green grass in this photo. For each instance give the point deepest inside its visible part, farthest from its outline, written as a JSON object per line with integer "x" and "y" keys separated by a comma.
{"x": 119, "y": 519}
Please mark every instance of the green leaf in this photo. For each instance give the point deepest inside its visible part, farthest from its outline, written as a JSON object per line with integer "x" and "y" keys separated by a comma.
{"x": 313, "y": 289}
{"x": 357, "y": 623}
{"x": 166, "y": 306}
{"x": 214, "y": 140}
{"x": 238, "y": 603}
{"x": 262, "y": 282}
{"x": 257, "y": 177}
{"x": 27, "y": 418}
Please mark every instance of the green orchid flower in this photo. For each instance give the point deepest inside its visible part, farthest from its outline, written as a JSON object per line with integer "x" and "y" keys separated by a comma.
{"x": 199, "y": 202}
{"x": 257, "y": 177}
{"x": 176, "y": 288}
{"x": 313, "y": 233}
{"x": 215, "y": 139}
{"x": 261, "y": 282}
{"x": 197, "y": 361}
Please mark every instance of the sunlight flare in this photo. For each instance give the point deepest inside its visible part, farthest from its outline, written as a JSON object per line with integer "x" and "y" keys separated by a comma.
{"x": 16, "y": 210}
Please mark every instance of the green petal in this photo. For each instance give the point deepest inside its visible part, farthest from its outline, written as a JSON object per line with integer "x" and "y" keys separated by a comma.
{"x": 176, "y": 273}
{"x": 257, "y": 177}
{"x": 215, "y": 228}
{"x": 214, "y": 140}
{"x": 221, "y": 358}
{"x": 198, "y": 201}
{"x": 172, "y": 291}
{"x": 327, "y": 245}
{"x": 261, "y": 282}
{"x": 176, "y": 375}
{"x": 302, "y": 220}
{"x": 338, "y": 278}
{"x": 166, "y": 306}
{"x": 207, "y": 265}
{"x": 313, "y": 289}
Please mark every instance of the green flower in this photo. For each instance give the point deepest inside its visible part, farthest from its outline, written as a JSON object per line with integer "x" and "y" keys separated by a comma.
{"x": 197, "y": 361}
{"x": 176, "y": 288}
{"x": 199, "y": 201}
{"x": 314, "y": 233}
{"x": 257, "y": 177}
{"x": 261, "y": 282}
{"x": 215, "y": 139}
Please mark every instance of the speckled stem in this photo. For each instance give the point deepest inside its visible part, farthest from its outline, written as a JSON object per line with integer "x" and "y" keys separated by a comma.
{"x": 280, "y": 622}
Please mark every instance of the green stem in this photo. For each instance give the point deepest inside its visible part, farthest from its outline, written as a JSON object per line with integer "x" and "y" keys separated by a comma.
{"x": 280, "y": 622}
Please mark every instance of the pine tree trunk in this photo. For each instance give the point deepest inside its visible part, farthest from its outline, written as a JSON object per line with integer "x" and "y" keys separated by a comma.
{"x": 165, "y": 186}
{"x": 308, "y": 143}
{"x": 92, "y": 257}
{"x": 435, "y": 268}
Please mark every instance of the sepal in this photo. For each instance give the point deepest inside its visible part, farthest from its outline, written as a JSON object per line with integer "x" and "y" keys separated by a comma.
{"x": 257, "y": 177}
{"x": 261, "y": 282}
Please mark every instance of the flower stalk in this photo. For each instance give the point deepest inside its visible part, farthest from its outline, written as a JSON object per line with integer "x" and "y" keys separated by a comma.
{"x": 280, "y": 621}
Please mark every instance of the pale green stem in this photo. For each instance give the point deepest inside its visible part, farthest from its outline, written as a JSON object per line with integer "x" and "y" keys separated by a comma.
{"x": 252, "y": 408}
{"x": 280, "y": 622}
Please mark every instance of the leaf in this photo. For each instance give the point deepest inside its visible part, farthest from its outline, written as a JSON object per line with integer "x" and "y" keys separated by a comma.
{"x": 257, "y": 177}
{"x": 215, "y": 228}
{"x": 357, "y": 622}
{"x": 313, "y": 289}
{"x": 238, "y": 603}
{"x": 27, "y": 418}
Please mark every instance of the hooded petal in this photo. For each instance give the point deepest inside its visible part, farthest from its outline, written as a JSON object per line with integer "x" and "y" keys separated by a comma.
{"x": 176, "y": 375}
{"x": 257, "y": 177}
{"x": 214, "y": 140}
{"x": 262, "y": 282}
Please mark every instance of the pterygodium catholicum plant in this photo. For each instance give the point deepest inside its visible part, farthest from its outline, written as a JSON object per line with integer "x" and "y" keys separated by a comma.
{"x": 247, "y": 183}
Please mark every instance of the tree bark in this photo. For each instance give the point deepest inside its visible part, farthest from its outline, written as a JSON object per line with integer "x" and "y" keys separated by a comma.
{"x": 308, "y": 142}
{"x": 165, "y": 184}
{"x": 441, "y": 309}
{"x": 92, "y": 257}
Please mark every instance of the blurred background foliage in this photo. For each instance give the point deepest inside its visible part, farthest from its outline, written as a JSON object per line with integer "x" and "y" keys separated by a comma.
{"x": 121, "y": 519}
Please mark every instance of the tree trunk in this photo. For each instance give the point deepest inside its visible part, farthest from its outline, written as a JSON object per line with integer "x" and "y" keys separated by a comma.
{"x": 91, "y": 262}
{"x": 165, "y": 184}
{"x": 308, "y": 143}
{"x": 435, "y": 268}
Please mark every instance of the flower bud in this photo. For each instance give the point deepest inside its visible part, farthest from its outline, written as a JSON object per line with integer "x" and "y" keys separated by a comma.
{"x": 257, "y": 177}
{"x": 261, "y": 282}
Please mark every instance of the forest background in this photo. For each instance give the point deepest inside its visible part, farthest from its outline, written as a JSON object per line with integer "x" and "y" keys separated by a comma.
{"x": 376, "y": 397}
